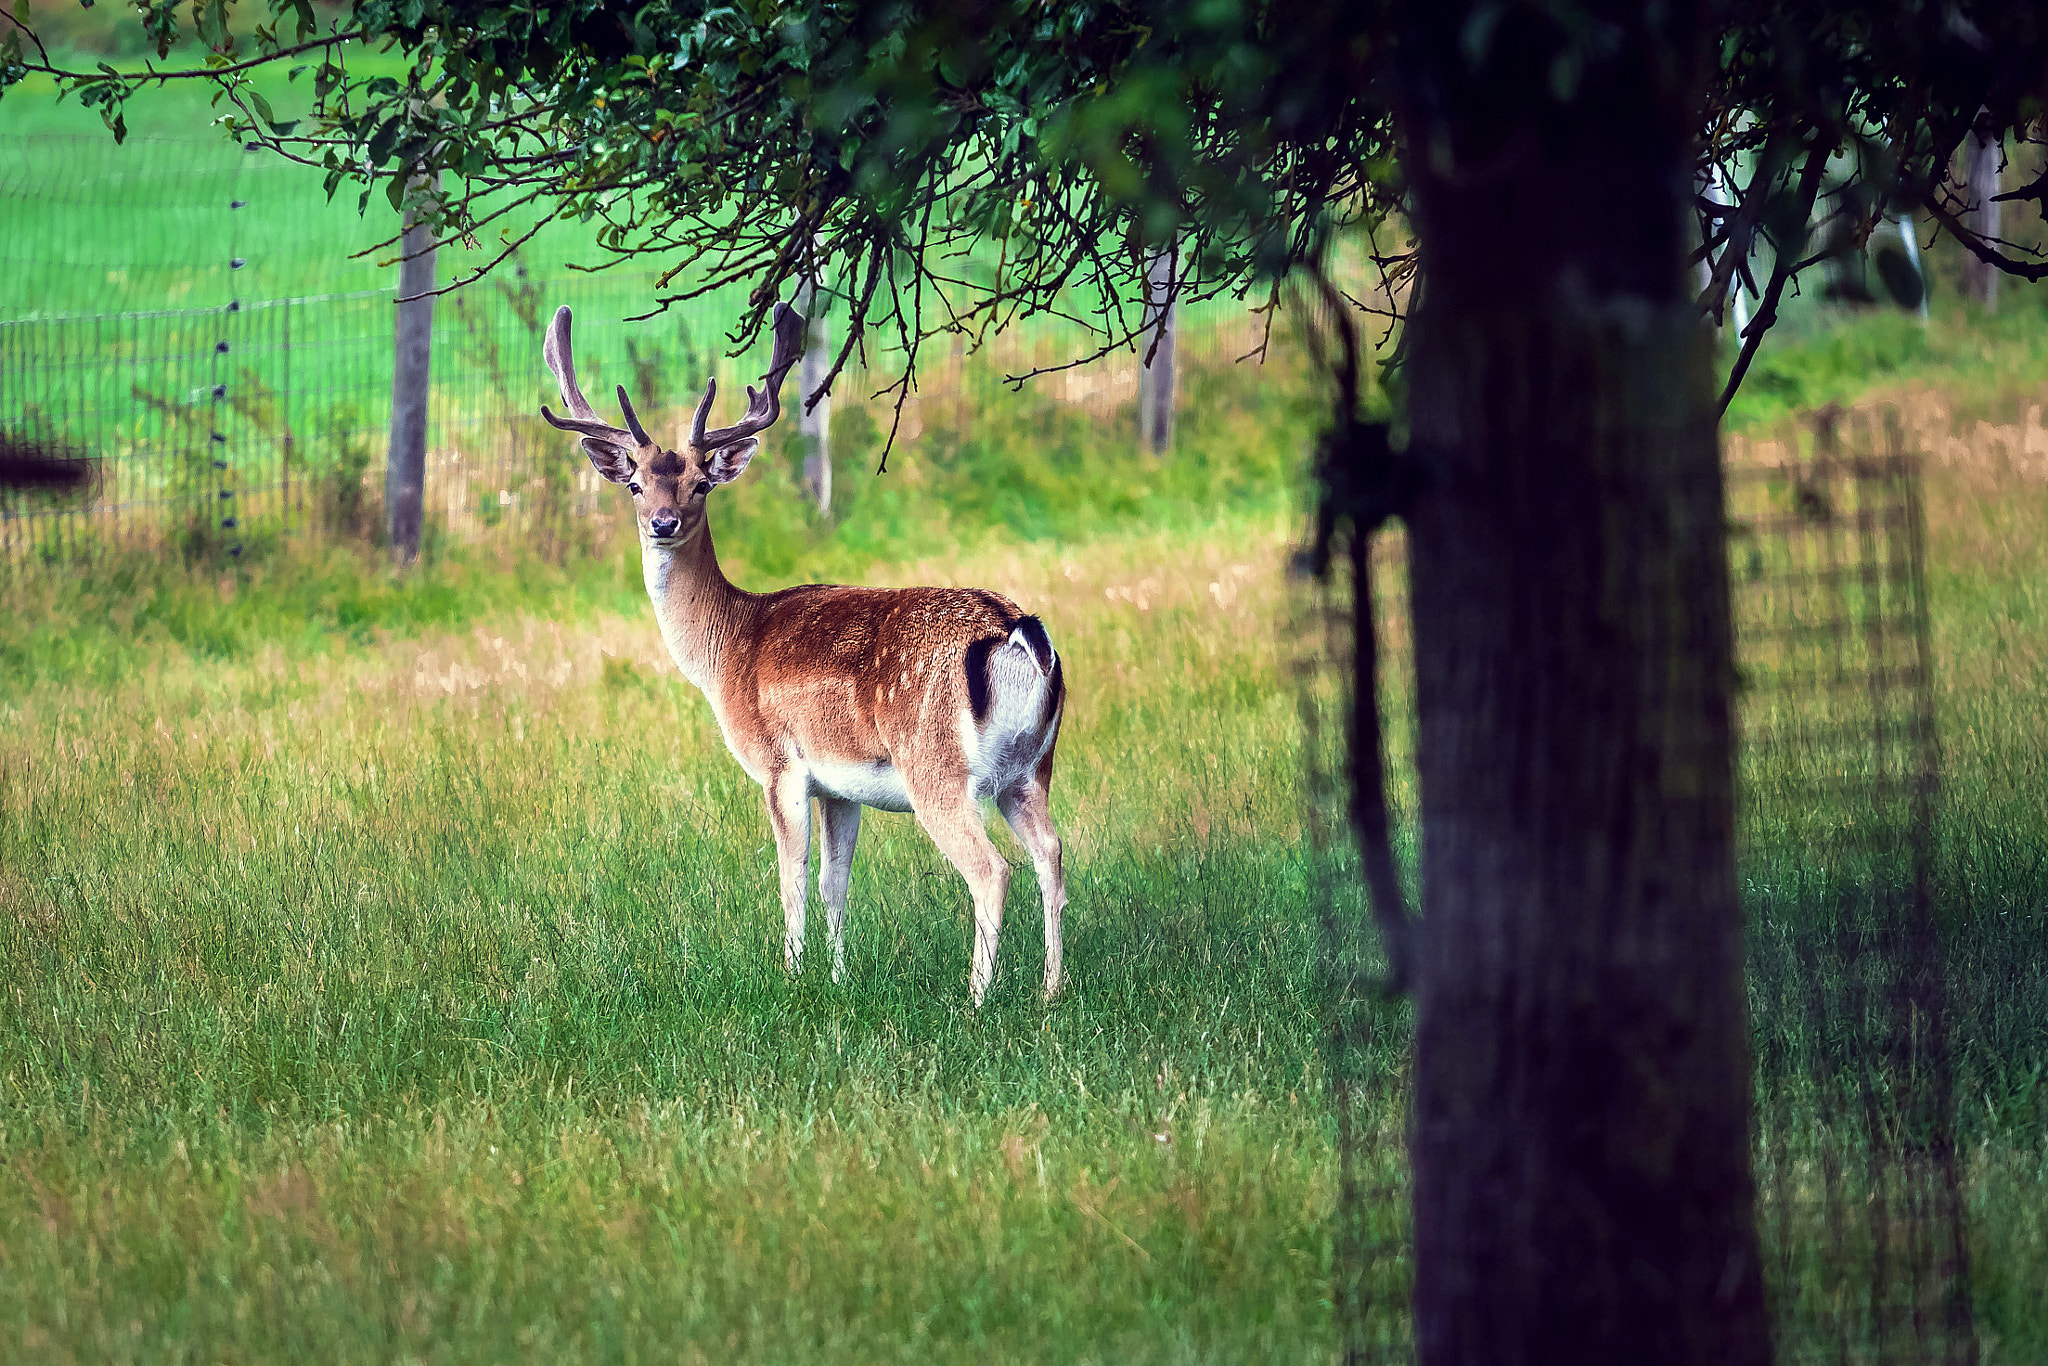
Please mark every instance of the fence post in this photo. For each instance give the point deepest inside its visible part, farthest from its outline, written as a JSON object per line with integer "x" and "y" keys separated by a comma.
{"x": 1156, "y": 377}
{"x": 1981, "y": 155}
{"x": 814, "y": 425}
{"x": 405, "y": 473}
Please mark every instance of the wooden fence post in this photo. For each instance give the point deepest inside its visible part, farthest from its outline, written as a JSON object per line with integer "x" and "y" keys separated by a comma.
{"x": 405, "y": 473}
{"x": 1156, "y": 377}
{"x": 1981, "y": 155}
{"x": 814, "y": 425}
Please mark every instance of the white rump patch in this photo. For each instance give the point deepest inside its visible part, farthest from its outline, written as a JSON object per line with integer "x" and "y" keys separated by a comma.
{"x": 1014, "y": 734}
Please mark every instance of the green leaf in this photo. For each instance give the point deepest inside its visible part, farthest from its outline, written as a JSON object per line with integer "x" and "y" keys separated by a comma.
{"x": 384, "y": 140}
{"x": 262, "y": 107}
{"x": 213, "y": 23}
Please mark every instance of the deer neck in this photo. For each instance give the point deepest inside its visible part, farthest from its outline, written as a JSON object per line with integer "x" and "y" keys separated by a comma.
{"x": 700, "y": 614}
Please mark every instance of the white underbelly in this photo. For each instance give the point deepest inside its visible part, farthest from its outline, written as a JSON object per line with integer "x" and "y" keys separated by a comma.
{"x": 876, "y": 785}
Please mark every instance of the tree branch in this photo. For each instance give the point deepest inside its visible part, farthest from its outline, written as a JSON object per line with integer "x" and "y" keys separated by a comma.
{"x": 197, "y": 73}
{"x": 1781, "y": 271}
{"x": 1980, "y": 248}
{"x": 9, "y": 17}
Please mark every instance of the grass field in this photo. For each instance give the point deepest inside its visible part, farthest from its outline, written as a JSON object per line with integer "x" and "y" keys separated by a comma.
{"x": 390, "y": 963}
{"x": 423, "y": 998}
{"x": 412, "y": 991}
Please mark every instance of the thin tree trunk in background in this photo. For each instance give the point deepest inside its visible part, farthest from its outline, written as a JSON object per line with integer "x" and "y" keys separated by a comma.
{"x": 1582, "y": 1189}
{"x": 405, "y": 470}
{"x": 1981, "y": 158}
{"x": 1156, "y": 376}
{"x": 814, "y": 425}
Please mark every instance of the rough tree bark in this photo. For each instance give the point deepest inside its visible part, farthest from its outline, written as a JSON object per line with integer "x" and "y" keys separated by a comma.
{"x": 1581, "y": 1140}
{"x": 1156, "y": 373}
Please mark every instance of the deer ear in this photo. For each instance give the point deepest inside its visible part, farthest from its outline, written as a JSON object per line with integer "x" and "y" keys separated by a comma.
{"x": 724, "y": 465}
{"x": 609, "y": 458}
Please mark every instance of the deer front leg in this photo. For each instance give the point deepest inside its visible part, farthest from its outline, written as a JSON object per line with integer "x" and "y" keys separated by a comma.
{"x": 789, "y": 816}
{"x": 835, "y": 868}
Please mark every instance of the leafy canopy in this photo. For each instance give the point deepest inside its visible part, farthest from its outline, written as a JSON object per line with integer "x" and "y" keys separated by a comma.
{"x": 946, "y": 167}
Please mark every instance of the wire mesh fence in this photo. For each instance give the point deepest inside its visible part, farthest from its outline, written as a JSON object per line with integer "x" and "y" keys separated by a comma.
{"x": 1860, "y": 1185}
{"x": 226, "y": 360}
{"x": 217, "y": 430}
{"x": 1365, "y": 1036}
{"x": 1849, "y": 973}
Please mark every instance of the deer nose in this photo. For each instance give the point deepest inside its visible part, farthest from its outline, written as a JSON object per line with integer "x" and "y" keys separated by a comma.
{"x": 664, "y": 524}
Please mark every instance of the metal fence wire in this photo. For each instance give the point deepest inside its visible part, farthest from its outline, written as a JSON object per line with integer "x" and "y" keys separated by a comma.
{"x": 1849, "y": 963}
{"x": 1367, "y": 1048}
{"x": 216, "y": 430}
{"x": 238, "y": 390}
{"x": 1860, "y": 1201}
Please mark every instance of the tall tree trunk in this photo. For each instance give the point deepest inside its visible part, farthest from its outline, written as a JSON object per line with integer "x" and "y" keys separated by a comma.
{"x": 1581, "y": 1138}
{"x": 405, "y": 469}
{"x": 1156, "y": 347}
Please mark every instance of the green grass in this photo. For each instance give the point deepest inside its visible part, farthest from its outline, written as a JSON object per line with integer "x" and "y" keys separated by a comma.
{"x": 1011, "y": 472}
{"x": 521, "y": 1077}
{"x": 1982, "y": 365}
{"x": 420, "y": 998}
{"x": 411, "y": 988}
{"x": 409, "y": 994}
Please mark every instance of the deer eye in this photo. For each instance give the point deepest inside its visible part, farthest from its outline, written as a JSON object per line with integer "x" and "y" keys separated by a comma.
{"x": 703, "y": 488}
{"x": 633, "y": 486}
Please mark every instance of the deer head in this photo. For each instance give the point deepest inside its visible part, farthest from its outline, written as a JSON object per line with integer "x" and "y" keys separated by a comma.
{"x": 669, "y": 487}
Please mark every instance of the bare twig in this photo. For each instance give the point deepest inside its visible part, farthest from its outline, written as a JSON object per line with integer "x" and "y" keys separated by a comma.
{"x": 9, "y": 17}
{"x": 198, "y": 73}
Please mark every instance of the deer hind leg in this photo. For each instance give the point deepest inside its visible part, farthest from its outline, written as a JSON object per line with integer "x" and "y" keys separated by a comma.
{"x": 835, "y": 868}
{"x": 953, "y": 820}
{"x": 1029, "y": 813}
{"x": 789, "y": 816}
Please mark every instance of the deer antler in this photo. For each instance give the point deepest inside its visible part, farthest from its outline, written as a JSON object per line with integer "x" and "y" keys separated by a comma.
{"x": 561, "y": 360}
{"x": 762, "y": 407}
{"x": 633, "y": 419}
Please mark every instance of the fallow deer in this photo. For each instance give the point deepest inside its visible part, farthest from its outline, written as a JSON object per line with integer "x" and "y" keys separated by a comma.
{"x": 913, "y": 699}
